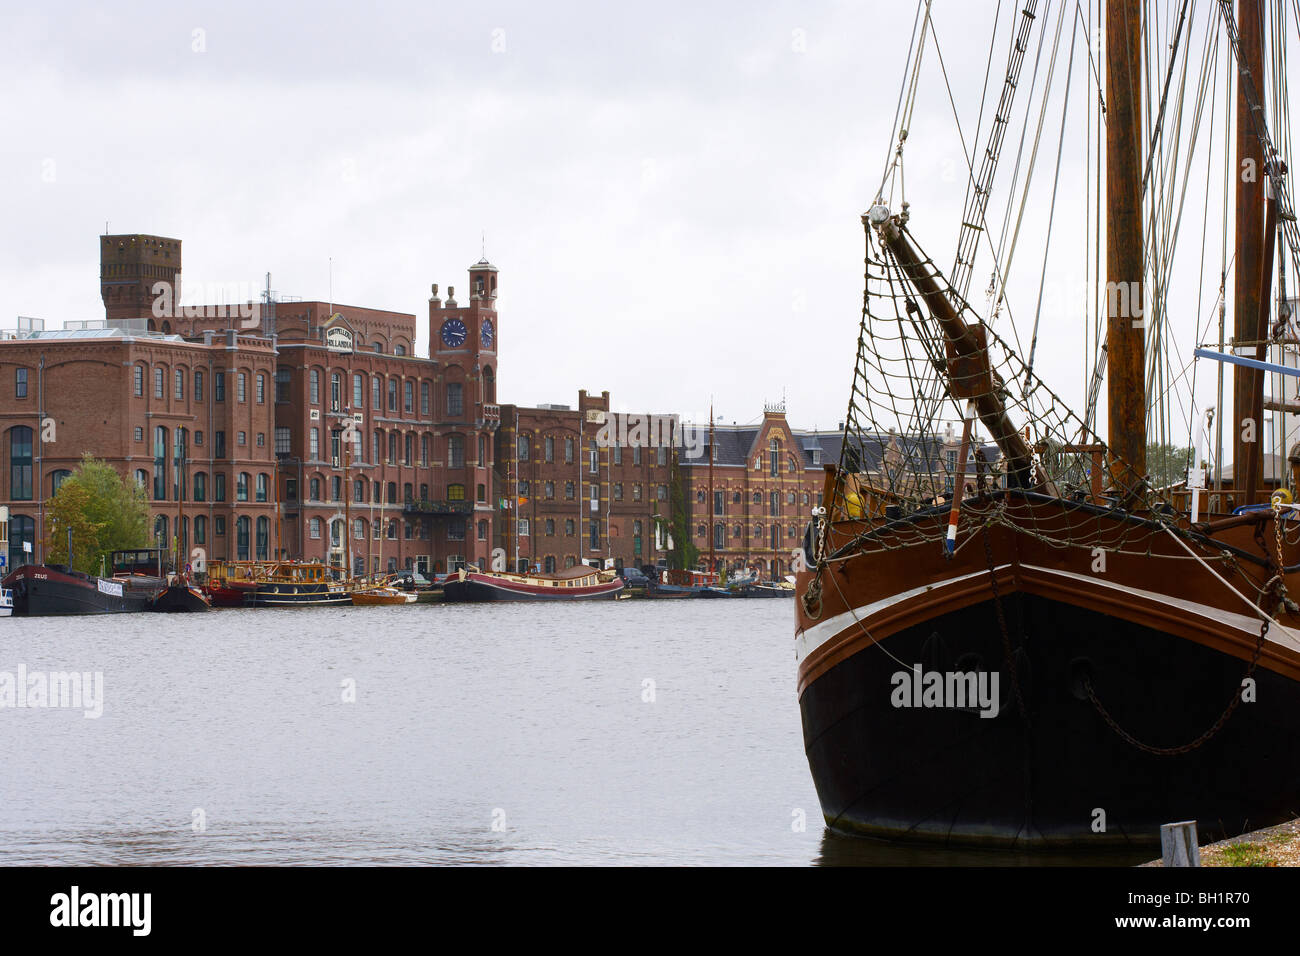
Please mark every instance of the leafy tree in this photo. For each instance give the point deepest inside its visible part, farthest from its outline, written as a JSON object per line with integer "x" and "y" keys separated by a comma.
{"x": 684, "y": 554}
{"x": 104, "y": 513}
{"x": 1167, "y": 464}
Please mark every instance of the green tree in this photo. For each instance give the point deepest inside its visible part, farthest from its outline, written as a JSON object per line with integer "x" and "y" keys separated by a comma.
{"x": 104, "y": 512}
{"x": 1167, "y": 464}
{"x": 684, "y": 554}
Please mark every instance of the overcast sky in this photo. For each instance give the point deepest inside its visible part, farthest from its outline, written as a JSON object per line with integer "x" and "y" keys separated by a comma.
{"x": 671, "y": 193}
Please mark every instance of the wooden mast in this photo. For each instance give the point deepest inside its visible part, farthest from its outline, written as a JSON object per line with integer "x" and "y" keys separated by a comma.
{"x": 1126, "y": 319}
{"x": 713, "y": 531}
{"x": 1249, "y": 324}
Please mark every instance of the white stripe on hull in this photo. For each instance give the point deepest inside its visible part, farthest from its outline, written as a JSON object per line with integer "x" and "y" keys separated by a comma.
{"x": 814, "y": 637}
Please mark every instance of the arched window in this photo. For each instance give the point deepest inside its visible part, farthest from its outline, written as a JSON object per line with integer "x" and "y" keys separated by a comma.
{"x": 242, "y": 527}
{"x": 200, "y": 529}
{"x": 549, "y": 564}
{"x": 482, "y": 530}
{"x": 424, "y": 451}
{"x": 315, "y": 387}
{"x": 263, "y": 538}
{"x": 262, "y": 480}
{"x": 525, "y": 447}
{"x": 241, "y": 486}
{"x": 21, "y": 528}
{"x": 160, "y": 463}
{"x": 489, "y": 385}
{"x": 480, "y": 493}
{"x": 57, "y": 479}
{"x": 455, "y": 451}
{"x": 550, "y": 526}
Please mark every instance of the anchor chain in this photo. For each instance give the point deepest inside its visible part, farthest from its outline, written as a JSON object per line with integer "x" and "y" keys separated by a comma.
{"x": 1275, "y": 587}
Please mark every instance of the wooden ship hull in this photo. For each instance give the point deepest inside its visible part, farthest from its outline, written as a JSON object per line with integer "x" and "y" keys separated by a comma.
{"x": 1163, "y": 647}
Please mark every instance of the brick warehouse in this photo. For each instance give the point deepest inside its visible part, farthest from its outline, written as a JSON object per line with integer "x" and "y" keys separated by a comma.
{"x": 227, "y": 418}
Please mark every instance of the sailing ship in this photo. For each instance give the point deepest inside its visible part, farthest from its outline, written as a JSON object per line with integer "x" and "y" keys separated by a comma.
{"x": 1053, "y": 645}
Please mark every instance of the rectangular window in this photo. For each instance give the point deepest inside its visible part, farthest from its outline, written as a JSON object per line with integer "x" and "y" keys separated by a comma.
{"x": 219, "y": 444}
{"x": 241, "y": 388}
{"x": 20, "y": 383}
{"x": 593, "y": 534}
{"x": 283, "y": 437}
{"x": 180, "y": 385}
{"x": 618, "y": 454}
{"x": 219, "y": 386}
{"x": 283, "y": 376}
{"x": 198, "y": 386}
{"x": 594, "y": 457}
{"x": 424, "y": 398}
{"x": 661, "y": 455}
{"x": 408, "y": 397}
{"x": 313, "y": 446}
{"x": 392, "y": 394}
{"x": 455, "y": 400}
{"x": 523, "y": 527}
{"x": 718, "y": 499}
{"x": 358, "y": 392}
{"x": 636, "y": 455}
{"x": 139, "y": 380}
{"x": 157, "y": 383}
{"x": 376, "y": 396}
{"x": 241, "y": 438}
{"x": 261, "y": 389}
{"x": 219, "y": 489}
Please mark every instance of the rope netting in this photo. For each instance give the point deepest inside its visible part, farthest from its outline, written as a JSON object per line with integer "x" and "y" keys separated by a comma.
{"x": 906, "y": 446}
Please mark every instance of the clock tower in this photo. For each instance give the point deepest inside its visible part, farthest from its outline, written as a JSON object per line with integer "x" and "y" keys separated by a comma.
{"x": 466, "y": 336}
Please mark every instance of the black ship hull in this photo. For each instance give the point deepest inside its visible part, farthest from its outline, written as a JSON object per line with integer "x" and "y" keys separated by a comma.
{"x": 46, "y": 591}
{"x": 479, "y": 592}
{"x": 1055, "y": 774}
{"x": 297, "y": 594}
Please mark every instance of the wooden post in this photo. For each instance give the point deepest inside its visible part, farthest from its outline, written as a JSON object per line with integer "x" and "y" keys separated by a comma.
{"x": 1126, "y": 318}
{"x": 1247, "y": 383}
{"x": 969, "y": 376}
{"x": 1178, "y": 844}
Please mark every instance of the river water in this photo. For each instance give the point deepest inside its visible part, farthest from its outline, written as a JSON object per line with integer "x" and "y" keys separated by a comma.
{"x": 629, "y": 732}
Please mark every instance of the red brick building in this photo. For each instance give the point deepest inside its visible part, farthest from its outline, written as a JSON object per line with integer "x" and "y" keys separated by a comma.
{"x": 577, "y": 494}
{"x": 263, "y": 429}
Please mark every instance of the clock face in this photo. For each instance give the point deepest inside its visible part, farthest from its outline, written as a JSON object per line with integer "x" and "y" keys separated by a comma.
{"x": 454, "y": 333}
{"x": 488, "y": 333}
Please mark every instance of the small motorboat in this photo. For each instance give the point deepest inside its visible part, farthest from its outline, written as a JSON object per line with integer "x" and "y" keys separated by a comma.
{"x": 382, "y": 594}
